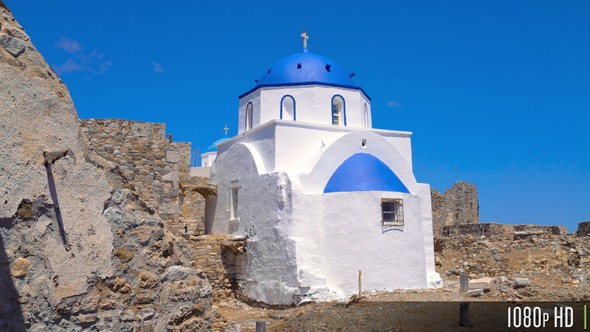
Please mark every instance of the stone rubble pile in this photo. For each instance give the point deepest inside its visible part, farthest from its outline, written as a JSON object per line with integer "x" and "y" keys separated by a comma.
{"x": 531, "y": 262}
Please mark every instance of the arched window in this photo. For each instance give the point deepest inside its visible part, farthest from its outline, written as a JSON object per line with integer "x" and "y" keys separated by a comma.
{"x": 249, "y": 114}
{"x": 288, "y": 110}
{"x": 366, "y": 116}
{"x": 338, "y": 111}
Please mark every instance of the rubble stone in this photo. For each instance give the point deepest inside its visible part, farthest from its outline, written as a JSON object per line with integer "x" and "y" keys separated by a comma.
{"x": 20, "y": 267}
{"x": 474, "y": 292}
{"x": 483, "y": 283}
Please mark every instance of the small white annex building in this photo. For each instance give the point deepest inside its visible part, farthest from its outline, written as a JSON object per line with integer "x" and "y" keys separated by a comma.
{"x": 318, "y": 192}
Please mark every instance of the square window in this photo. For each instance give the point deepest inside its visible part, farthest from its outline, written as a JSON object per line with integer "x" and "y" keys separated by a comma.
{"x": 392, "y": 211}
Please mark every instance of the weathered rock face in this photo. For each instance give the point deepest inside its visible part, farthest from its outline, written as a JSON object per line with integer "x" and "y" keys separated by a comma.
{"x": 79, "y": 250}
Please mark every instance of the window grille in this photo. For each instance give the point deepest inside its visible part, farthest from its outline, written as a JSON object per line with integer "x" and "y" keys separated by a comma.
{"x": 336, "y": 114}
{"x": 392, "y": 210}
{"x": 338, "y": 111}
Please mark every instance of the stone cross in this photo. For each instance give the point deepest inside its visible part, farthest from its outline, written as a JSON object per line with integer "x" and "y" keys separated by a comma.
{"x": 226, "y": 129}
{"x": 305, "y": 38}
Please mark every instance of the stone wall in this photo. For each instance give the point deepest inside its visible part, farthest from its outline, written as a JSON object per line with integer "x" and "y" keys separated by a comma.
{"x": 457, "y": 205}
{"x": 492, "y": 229}
{"x": 222, "y": 259}
{"x": 157, "y": 168}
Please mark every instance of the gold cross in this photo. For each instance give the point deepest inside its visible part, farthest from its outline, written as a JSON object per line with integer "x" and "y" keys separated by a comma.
{"x": 305, "y": 38}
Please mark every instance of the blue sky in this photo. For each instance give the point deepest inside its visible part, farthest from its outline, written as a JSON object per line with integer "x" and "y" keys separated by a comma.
{"x": 497, "y": 93}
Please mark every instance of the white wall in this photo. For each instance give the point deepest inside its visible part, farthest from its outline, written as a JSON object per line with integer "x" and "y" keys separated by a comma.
{"x": 208, "y": 158}
{"x": 264, "y": 216}
{"x": 200, "y": 171}
{"x": 355, "y": 240}
{"x": 308, "y": 235}
{"x": 297, "y": 146}
{"x": 313, "y": 105}
{"x": 433, "y": 278}
{"x": 254, "y": 98}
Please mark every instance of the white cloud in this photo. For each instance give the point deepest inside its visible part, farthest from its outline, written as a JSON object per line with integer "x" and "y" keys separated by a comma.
{"x": 70, "y": 66}
{"x": 68, "y": 45}
{"x": 158, "y": 68}
{"x": 95, "y": 63}
{"x": 394, "y": 104}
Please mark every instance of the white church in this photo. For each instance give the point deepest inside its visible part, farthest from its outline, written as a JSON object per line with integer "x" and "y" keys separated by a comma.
{"x": 317, "y": 191}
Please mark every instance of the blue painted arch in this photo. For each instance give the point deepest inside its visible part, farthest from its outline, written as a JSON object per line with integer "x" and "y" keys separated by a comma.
{"x": 294, "y": 107}
{"x": 343, "y": 114}
{"x": 364, "y": 172}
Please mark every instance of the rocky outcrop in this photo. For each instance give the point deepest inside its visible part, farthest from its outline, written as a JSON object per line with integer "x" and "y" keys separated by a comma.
{"x": 79, "y": 249}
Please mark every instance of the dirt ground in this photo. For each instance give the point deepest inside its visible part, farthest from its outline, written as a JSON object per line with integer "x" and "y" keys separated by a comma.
{"x": 555, "y": 270}
{"x": 408, "y": 310}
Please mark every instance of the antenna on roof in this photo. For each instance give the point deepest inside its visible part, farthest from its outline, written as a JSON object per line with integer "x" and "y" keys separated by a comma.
{"x": 195, "y": 157}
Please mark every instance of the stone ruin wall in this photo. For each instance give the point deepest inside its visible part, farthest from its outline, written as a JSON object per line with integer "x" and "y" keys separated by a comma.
{"x": 457, "y": 205}
{"x": 495, "y": 229}
{"x": 584, "y": 228}
{"x": 158, "y": 168}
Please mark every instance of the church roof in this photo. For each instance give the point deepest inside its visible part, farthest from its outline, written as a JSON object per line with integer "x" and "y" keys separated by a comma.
{"x": 306, "y": 67}
{"x": 213, "y": 147}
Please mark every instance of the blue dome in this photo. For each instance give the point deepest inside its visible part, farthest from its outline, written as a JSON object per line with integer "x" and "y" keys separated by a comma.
{"x": 306, "y": 67}
{"x": 364, "y": 172}
{"x": 213, "y": 147}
